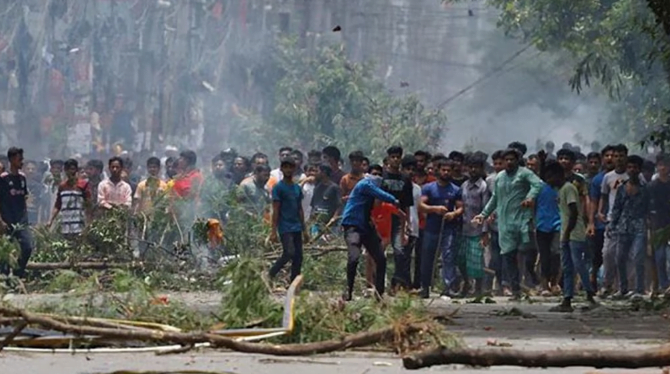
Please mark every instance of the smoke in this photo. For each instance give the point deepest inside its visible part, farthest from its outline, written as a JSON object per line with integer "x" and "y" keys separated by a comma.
{"x": 156, "y": 73}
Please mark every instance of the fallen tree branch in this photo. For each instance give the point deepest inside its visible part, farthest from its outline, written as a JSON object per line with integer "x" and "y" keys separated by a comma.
{"x": 182, "y": 349}
{"x": 81, "y": 265}
{"x": 104, "y": 265}
{"x": 628, "y": 359}
{"x": 312, "y": 251}
{"x": 9, "y": 338}
{"x": 390, "y": 334}
{"x": 93, "y": 322}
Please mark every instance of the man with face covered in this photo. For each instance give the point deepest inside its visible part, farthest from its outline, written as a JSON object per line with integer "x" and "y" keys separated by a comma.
{"x": 514, "y": 192}
{"x": 359, "y": 232}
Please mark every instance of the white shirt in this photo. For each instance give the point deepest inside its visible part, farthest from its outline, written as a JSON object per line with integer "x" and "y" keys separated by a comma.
{"x": 307, "y": 192}
{"x": 414, "y": 211}
{"x": 110, "y": 194}
{"x": 278, "y": 175}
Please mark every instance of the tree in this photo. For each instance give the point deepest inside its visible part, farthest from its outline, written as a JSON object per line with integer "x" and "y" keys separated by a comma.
{"x": 620, "y": 46}
{"x": 326, "y": 99}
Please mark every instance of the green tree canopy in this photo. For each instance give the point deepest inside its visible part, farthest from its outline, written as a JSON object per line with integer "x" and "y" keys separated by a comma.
{"x": 323, "y": 98}
{"x": 620, "y": 46}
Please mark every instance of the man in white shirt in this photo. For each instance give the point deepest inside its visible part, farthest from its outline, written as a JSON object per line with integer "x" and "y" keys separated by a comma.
{"x": 114, "y": 192}
{"x": 611, "y": 183}
{"x": 403, "y": 259}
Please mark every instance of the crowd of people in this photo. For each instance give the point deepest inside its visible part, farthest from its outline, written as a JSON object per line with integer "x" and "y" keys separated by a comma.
{"x": 502, "y": 224}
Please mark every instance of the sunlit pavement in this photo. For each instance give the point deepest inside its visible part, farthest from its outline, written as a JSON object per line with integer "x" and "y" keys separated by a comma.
{"x": 244, "y": 364}
{"x": 527, "y": 325}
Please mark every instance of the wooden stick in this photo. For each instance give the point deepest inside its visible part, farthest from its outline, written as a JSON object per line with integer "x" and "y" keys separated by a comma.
{"x": 627, "y": 359}
{"x": 81, "y": 265}
{"x": 351, "y": 341}
{"x": 94, "y": 322}
{"x": 182, "y": 349}
{"x": 17, "y": 330}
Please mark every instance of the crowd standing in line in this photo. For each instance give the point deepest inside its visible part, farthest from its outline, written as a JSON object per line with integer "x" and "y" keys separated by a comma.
{"x": 500, "y": 225}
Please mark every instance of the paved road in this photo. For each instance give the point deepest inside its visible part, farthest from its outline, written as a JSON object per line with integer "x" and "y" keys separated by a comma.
{"x": 608, "y": 327}
{"x": 242, "y": 364}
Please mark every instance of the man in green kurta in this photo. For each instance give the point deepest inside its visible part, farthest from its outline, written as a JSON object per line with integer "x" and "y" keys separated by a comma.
{"x": 513, "y": 193}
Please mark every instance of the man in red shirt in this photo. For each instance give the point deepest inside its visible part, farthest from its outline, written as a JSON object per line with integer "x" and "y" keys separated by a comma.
{"x": 187, "y": 184}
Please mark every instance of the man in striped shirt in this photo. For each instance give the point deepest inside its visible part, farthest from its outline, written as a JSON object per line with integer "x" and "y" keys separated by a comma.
{"x": 73, "y": 202}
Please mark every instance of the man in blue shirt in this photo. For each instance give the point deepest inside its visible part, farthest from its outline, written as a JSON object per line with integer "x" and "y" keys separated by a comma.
{"x": 443, "y": 202}
{"x": 547, "y": 234}
{"x": 288, "y": 220}
{"x": 359, "y": 231}
{"x": 596, "y": 230}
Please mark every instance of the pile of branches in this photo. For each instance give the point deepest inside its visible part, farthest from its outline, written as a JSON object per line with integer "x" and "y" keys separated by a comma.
{"x": 396, "y": 335}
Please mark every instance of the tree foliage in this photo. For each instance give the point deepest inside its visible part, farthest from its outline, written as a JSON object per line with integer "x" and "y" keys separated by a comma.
{"x": 619, "y": 46}
{"x": 323, "y": 98}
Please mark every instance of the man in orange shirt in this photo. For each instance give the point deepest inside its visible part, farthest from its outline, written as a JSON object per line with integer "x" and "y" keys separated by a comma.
{"x": 357, "y": 173}
{"x": 186, "y": 189}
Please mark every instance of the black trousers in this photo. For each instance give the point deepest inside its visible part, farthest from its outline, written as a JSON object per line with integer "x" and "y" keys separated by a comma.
{"x": 550, "y": 262}
{"x": 418, "y": 245}
{"x": 511, "y": 270}
{"x": 356, "y": 239}
{"x": 291, "y": 243}
{"x": 596, "y": 243}
{"x": 402, "y": 276}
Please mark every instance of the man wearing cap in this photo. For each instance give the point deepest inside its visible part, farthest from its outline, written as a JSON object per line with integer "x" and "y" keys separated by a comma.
{"x": 288, "y": 220}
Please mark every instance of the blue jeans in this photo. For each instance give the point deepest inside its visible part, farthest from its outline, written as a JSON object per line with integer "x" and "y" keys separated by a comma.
{"x": 447, "y": 247}
{"x": 625, "y": 243}
{"x": 573, "y": 258}
{"x": 396, "y": 235}
{"x": 661, "y": 259}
